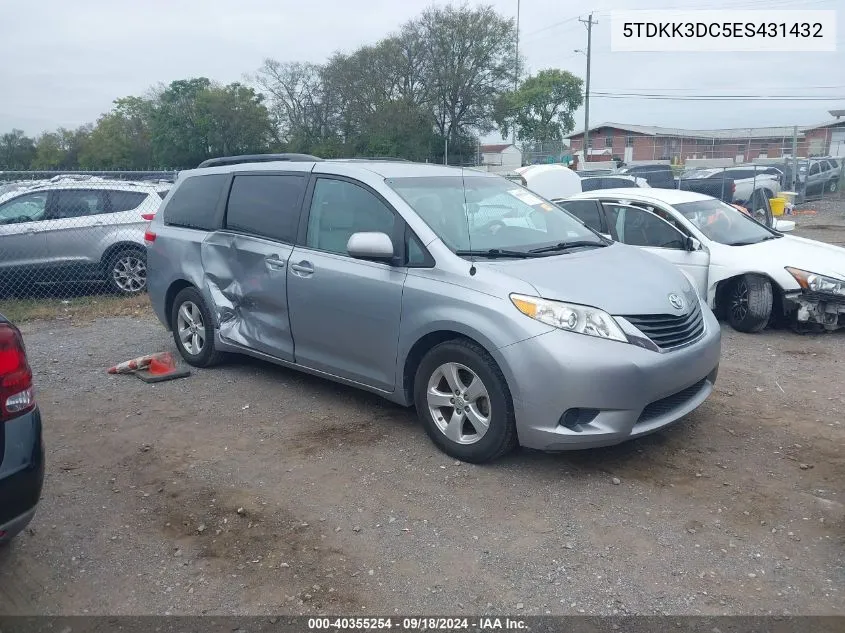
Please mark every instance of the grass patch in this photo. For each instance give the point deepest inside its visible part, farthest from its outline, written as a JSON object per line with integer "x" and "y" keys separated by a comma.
{"x": 78, "y": 309}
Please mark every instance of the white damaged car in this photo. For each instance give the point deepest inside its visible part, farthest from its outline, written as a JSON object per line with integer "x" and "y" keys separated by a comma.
{"x": 749, "y": 274}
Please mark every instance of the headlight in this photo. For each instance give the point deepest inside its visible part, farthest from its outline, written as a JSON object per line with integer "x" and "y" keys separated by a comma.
{"x": 817, "y": 283}
{"x": 570, "y": 317}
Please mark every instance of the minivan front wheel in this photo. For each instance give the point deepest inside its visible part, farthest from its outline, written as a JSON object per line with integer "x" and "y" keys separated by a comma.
{"x": 464, "y": 402}
{"x": 193, "y": 329}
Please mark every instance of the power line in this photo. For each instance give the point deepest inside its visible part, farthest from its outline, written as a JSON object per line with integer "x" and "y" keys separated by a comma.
{"x": 551, "y": 26}
{"x": 659, "y": 97}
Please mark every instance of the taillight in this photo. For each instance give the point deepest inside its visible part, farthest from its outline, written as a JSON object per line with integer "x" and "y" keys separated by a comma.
{"x": 149, "y": 236}
{"x": 16, "y": 395}
{"x": 148, "y": 216}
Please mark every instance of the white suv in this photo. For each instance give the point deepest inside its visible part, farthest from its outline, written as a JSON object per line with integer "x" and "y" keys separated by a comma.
{"x": 69, "y": 230}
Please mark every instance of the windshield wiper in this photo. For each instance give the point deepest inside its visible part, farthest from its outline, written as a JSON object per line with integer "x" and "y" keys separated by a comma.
{"x": 749, "y": 242}
{"x": 562, "y": 246}
{"x": 494, "y": 252}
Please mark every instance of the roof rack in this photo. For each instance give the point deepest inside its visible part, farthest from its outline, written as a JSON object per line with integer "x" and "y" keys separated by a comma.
{"x": 256, "y": 158}
{"x": 370, "y": 159}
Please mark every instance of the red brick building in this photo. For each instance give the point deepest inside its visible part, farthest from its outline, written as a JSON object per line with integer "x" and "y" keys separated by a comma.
{"x": 644, "y": 143}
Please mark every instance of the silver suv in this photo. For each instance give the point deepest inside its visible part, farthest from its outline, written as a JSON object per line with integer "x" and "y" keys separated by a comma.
{"x": 73, "y": 230}
{"x": 501, "y": 317}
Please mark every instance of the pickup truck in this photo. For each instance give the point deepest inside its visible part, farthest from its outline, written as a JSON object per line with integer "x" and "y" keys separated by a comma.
{"x": 662, "y": 177}
{"x": 752, "y": 183}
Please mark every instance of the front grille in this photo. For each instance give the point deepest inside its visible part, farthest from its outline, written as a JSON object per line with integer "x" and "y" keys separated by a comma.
{"x": 670, "y": 403}
{"x": 668, "y": 331}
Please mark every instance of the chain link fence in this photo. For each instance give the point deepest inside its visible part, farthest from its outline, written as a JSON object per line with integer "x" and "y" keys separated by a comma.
{"x": 73, "y": 234}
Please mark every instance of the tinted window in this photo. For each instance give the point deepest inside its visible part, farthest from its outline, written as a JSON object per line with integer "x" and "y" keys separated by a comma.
{"x": 78, "y": 203}
{"x": 824, "y": 165}
{"x": 162, "y": 194}
{"x": 615, "y": 183}
{"x": 194, "y": 203}
{"x": 267, "y": 206}
{"x": 585, "y": 210}
{"x": 638, "y": 227}
{"x": 339, "y": 209}
{"x": 125, "y": 200}
{"x": 24, "y": 208}
{"x": 814, "y": 169}
{"x": 590, "y": 184}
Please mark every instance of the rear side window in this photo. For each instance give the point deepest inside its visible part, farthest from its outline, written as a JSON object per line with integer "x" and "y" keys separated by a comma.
{"x": 125, "y": 200}
{"x": 266, "y": 205}
{"x": 585, "y": 210}
{"x": 162, "y": 194}
{"x": 617, "y": 183}
{"x": 194, "y": 203}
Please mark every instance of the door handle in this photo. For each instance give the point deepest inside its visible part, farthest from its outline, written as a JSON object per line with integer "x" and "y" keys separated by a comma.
{"x": 304, "y": 268}
{"x": 273, "y": 261}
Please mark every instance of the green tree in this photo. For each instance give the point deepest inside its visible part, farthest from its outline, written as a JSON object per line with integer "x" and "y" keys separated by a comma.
{"x": 542, "y": 108}
{"x": 17, "y": 150}
{"x": 470, "y": 62}
{"x": 194, "y": 119}
{"x": 122, "y": 138}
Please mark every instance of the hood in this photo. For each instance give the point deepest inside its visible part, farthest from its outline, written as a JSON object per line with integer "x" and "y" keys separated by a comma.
{"x": 618, "y": 279}
{"x": 798, "y": 252}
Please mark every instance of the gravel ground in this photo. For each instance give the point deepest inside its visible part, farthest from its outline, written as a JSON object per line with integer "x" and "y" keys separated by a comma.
{"x": 252, "y": 489}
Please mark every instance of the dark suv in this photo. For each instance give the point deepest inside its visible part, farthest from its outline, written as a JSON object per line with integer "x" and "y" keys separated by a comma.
{"x": 21, "y": 447}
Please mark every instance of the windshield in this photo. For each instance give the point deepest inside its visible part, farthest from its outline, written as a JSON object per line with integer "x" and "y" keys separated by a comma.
{"x": 723, "y": 223}
{"x": 483, "y": 213}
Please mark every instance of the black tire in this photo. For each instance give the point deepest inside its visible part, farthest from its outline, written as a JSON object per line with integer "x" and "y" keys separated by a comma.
{"x": 125, "y": 271}
{"x": 207, "y": 355}
{"x": 500, "y": 437}
{"x": 749, "y": 301}
{"x": 832, "y": 186}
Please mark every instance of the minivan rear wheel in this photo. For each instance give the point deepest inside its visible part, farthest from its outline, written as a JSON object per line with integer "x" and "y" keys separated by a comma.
{"x": 464, "y": 402}
{"x": 193, "y": 329}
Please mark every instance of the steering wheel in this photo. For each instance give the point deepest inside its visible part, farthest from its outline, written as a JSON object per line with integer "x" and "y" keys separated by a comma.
{"x": 494, "y": 227}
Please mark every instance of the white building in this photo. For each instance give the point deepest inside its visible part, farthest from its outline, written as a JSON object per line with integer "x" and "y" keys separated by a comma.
{"x": 502, "y": 157}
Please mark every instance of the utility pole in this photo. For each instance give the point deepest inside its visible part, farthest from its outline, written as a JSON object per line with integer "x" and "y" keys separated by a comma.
{"x": 794, "y": 183}
{"x": 516, "y": 65}
{"x": 589, "y": 22}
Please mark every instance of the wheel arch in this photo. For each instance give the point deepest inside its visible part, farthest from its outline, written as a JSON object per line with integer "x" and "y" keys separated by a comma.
{"x": 174, "y": 289}
{"x": 422, "y": 346}
{"x": 723, "y": 285}
{"x": 120, "y": 246}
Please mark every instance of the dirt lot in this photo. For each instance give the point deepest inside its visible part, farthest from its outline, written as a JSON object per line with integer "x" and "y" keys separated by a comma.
{"x": 253, "y": 489}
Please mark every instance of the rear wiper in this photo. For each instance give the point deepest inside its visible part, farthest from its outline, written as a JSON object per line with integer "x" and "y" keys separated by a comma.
{"x": 562, "y": 246}
{"x": 494, "y": 252}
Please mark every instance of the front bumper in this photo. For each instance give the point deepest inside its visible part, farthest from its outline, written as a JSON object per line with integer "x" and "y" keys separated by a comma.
{"x": 21, "y": 472}
{"x": 624, "y": 390}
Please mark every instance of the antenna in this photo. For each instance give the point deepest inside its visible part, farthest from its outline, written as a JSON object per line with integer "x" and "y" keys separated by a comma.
{"x": 466, "y": 216}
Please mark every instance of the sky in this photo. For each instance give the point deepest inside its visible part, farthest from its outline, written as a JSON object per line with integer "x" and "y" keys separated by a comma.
{"x": 65, "y": 62}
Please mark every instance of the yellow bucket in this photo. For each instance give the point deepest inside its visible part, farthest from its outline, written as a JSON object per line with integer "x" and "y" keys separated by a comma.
{"x": 777, "y": 205}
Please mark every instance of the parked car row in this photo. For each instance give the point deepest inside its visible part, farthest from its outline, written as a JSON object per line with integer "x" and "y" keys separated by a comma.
{"x": 72, "y": 229}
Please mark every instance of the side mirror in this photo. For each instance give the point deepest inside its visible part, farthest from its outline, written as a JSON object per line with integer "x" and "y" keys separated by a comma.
{"x": 375, "y": 246}
{"x": 692, "y": 244}
{"x": 784, "y": 226}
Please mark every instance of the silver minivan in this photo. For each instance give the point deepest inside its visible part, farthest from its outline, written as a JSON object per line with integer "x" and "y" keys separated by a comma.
{"x": 502, "y": 318}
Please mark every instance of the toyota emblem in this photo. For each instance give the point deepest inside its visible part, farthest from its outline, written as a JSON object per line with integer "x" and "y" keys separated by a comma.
{"x": 676, "y": 301}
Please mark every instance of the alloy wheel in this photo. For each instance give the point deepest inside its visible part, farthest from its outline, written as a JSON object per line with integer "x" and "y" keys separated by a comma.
{"x": 130, "y": 273}
{"x": 191, "y": 328}
{"x": 458, "y": 403}
{"x": 739, "y": 301}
